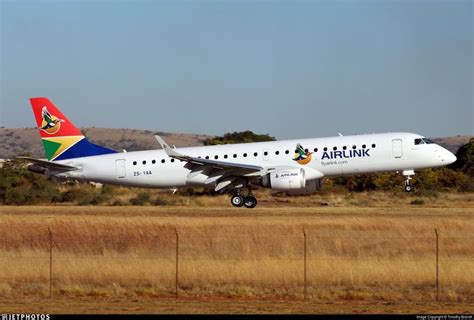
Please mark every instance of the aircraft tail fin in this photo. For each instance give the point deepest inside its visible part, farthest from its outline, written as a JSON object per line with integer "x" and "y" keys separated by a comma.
{"x": 61, "y": 139}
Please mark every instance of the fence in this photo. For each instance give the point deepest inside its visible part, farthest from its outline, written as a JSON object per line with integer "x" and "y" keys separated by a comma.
{"x": 309, "y": 265}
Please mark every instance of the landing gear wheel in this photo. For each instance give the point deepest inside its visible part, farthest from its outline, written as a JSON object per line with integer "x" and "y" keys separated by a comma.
{"x": 250, "y": 202}
{"x": 408, "y": 174}
{"x": 408, "y": 187}
{"x": 237, "y": 200}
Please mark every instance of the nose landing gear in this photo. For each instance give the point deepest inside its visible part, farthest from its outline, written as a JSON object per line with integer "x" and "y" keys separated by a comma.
{"x": 408, "y": 174}
{"x": 237, "y": 200}
{"x": 408, "y": 187}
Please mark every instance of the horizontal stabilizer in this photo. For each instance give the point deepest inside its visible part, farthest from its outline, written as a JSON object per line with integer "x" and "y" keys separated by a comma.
{"x": 48, "y": 164}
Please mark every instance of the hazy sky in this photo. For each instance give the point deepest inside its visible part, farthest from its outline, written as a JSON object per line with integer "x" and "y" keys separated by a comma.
{"x": 287, "y": 68}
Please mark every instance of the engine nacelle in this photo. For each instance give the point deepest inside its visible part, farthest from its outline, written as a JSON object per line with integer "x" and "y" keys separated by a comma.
{"x": 312, "y": 186}
{"x": 285, "y": 179}
{"x": 37, "y": 169}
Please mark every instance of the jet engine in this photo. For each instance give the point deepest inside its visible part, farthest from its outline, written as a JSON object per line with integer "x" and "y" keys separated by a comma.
{"x": 312, "y": 186}
{"x": 38, "y": 169}
{"x": 285, "y": 179}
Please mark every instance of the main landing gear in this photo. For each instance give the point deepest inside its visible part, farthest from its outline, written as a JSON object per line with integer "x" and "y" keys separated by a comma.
{"x": 237, "y": 200}
{"x": 408, "y": 174}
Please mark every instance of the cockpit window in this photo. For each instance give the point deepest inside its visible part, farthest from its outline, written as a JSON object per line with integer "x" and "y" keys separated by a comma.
{"x": 423, "y": 141}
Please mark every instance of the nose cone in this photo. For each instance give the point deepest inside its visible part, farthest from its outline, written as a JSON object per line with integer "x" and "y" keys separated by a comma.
{"x": 449, "y": 157}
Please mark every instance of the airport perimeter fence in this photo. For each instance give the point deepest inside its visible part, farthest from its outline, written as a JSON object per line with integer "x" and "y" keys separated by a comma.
{"x": 359, "y": 265}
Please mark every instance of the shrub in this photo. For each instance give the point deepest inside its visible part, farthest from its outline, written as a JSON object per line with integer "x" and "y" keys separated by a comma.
{"x": 20, "y": 186}
{"x": 239, "y": 137}
{"x": 18, "y": 195}
{"x": 418, "y": 202}
{"x": 160, "y": 202}
{"x": 141, "y": 199}
{"x": 118, "y": 202}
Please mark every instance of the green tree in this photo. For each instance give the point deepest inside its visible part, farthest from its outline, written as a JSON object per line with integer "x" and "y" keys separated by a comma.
{"x": 449, "y": 178}
{"x": 427, "y": 179}
{"x": 465, "y": 161}
{"x": 388, "y": 181}
{"x": 20, "y": 186}
{"x": 239, "y": 137}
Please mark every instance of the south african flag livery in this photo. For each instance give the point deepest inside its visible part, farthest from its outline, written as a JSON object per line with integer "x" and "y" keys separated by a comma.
{"x": 61, "y": 139}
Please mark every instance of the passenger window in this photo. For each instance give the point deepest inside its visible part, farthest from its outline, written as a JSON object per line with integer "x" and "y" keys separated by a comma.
{"x": 235, "y": 155}
{"x": 354, "y": 147}
{"x": 315, "y": 149}
{"x": 265, "y": 153}
{"x": 245, "y": 155}
{"x": 255, "y": 154}
{"x": 277, "y": 152}
{"x": 363, "y": 146}
{"x": 334, "y": 148}
{"x": 344, "y": 148}
{"x": 207, "y": 157}
{"x": 325, "y": 149}
{"x": 172, "y": 160}
{"x": 162, "y": 160}
{"x": 225, "y": 156}
{"x": 153, "y": 161}
{"x": 216, "y": 157}
{"x": 134, "y": 163}
{"x": 144, "y": 161}
{"x": 373, "y": 145}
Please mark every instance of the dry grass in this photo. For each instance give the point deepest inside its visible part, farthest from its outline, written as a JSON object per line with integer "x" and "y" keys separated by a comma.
{"x": 353, "y": 253}
{"x": 331, "y": 197}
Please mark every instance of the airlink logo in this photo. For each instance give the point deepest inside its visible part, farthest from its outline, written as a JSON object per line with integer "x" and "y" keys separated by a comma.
{"x": 286, "y": 175}
{"x": 346, "y": 154}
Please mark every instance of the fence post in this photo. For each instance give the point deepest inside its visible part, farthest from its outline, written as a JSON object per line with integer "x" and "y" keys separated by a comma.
{"x": 177, "y": 264}
{"x": 305, "y": 265}
{"x": 50, "y": 263}
{"x": 437, "y": 264}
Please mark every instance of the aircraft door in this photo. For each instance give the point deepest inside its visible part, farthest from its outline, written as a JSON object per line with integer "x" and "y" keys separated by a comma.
{"x": 397, "y": 148}
{"x": 120, "y": 169}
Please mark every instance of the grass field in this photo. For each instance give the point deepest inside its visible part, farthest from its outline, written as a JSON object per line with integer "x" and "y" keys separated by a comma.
{"x": 358, "y": 259}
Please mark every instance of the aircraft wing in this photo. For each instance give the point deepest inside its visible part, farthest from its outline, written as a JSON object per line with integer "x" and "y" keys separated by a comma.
{"x": 223, "y": 173}
{"x": 48, "y": 164}
{"x": 199, "y": 161}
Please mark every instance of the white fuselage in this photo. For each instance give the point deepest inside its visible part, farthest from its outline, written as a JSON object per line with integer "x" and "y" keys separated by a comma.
{"x": 332, "y": 156}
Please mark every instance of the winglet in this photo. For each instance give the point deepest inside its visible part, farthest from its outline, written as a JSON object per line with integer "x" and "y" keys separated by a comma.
{"x": 170, "y": 152}
{"x": 162, "y": 142}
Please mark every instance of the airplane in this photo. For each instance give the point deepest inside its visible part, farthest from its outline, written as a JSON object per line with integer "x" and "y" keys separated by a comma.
{"x": 285, "y": 165}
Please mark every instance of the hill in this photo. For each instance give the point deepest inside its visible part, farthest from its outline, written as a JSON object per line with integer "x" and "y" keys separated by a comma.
{"x": 23, "y": 141}
{"x": 26, "y": 141}
{"x": 453, "y": 143}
